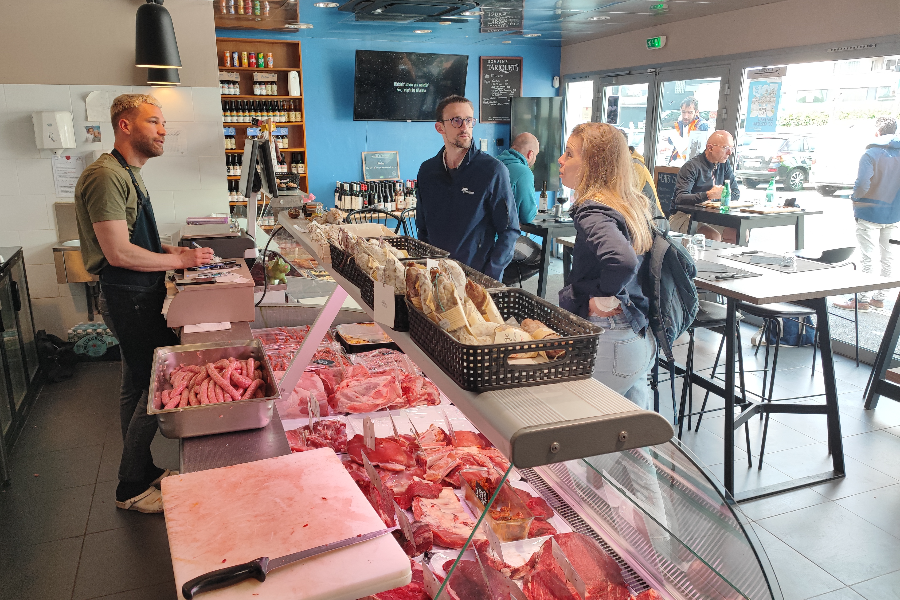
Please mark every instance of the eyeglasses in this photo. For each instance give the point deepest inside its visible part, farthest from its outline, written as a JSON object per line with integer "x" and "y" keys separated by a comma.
{"x": 728, "y": 148}
{"x": 459, "y": 121}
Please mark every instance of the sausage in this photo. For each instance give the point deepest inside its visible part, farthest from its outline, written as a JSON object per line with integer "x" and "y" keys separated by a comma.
{"x": 204, "y": 390}
{"x": 185, "y": 398}
{"x": 193, "y": 399}
{"x": 220, "y": 381}
{"x": 220, "y": 395}
{"x": 240, "y": 380}
{"x": 192, "y": 368}
{"x": 253, "y": 386}
{"x": 173, "y": 402}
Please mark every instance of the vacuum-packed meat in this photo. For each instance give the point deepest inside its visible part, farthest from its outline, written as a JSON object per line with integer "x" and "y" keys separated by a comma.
{"x": 450, "y": 524}
{"x": 368, "y": 393}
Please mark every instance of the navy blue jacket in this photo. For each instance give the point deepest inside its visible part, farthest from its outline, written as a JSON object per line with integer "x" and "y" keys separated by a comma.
{"x": 469, "y": 211}
{"x": 605, "y": 264}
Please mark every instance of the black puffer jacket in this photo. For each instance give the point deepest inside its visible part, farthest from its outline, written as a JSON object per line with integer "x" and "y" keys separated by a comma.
{"x": 605, "y": 264}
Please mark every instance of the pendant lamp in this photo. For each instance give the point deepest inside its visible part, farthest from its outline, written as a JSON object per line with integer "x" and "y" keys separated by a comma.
{"x": 155, "y": 44}
{"x": 163, "y": 77}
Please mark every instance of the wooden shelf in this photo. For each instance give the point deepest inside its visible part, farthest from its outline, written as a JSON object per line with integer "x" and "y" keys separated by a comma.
{"x": 255, "y": 97}
{"x": 251, "y": 124}
{"x": 267, "y": 70}
{"x": 243, "y": 202}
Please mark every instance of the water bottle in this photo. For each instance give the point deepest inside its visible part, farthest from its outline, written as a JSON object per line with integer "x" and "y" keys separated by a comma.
{"x": 725, "y": 203}
{"x": 770, "y": 193}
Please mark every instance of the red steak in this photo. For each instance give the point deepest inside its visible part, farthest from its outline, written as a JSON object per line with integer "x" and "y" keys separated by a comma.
{"x": 540, "y": 529}
{"x": 422, "y": 541}
{"x": 547, "y": 580}
{"x": 601, "y": 574}
{"x": 537, "y": 505}
{"x": 405, "y": 486}
{"x": 415, "y": 590}
{"x": 388, "y": 453}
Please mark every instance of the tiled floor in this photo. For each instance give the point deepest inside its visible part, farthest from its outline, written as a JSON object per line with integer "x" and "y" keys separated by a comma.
{"x": 61, "y": 536}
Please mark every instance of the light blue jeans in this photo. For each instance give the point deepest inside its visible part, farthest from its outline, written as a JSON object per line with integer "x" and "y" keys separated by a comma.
{"x": 624, "y": 359}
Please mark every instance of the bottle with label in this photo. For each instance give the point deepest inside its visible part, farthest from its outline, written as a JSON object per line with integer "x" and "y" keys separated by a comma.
{"x": 228, "y": 165}
{"x": 252, "y": 60}
{"x": 542, "y": 202}
{"x": 725, "y": 202}
{"x": 770, "y": 194}
{"x": 256, "y": 89}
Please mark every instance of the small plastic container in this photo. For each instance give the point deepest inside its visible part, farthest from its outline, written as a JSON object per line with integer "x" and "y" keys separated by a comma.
{"x": 362, "y": 337}
{"x": 508, "y": 516}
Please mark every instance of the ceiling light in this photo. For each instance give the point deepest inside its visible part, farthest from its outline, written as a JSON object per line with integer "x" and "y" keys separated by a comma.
{"x": 299, "y": 26}
{"x": 326, "y": 4}
{"x": 422, "y": 31}
{"x": 163, "y": 77}
{"x": 531, "y": 35}
{"x": 598, "y": 19}
{"x": 155, "y": 43}
{"x": 471, "y": 13}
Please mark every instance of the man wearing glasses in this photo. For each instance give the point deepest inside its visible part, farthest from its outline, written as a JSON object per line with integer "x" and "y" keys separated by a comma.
{"x": 466, "y": 205}
{"x": 701, "y": 179}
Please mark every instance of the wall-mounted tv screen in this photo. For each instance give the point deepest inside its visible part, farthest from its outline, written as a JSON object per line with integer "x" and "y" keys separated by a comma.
{"x": 405, "y": 86}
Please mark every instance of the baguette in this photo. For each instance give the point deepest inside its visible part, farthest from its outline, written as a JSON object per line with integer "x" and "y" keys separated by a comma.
{"x": 483, "y": 302}
{"x": 539, "y": 331}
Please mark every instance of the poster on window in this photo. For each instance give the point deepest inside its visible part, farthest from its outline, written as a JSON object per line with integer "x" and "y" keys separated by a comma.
{"x": 762, "y": 113}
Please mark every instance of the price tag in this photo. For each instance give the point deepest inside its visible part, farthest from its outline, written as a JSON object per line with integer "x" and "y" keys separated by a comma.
{"x": 369, "y": 433}
{"x": 325, "y": 253}
{"x": 449, "y": 427}
{"x": 573, "y": 577}
{"x": 303, "y": 436}
{"x": 403, "y": 520}
{"x": 430, "y": 264}
{"x": 384, "y": 304}
{"x": 432, "y": 585}
{"x": 312, "y": 407}
{"x": 373, "y": 475}
{"x": 481, "y": 493}
{"x": 393, "y": 424}
{"x": 493, "y": 540}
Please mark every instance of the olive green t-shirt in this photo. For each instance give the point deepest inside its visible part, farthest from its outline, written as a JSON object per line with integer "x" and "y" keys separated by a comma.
{"x": 104, "y": 192}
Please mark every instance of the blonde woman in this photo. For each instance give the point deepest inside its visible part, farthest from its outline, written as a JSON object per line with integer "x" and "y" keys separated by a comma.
{"x": 613, "y": 233}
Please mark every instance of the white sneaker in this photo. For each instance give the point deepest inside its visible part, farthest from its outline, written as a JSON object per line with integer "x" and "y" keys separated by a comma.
{"x": 149, "y": 501}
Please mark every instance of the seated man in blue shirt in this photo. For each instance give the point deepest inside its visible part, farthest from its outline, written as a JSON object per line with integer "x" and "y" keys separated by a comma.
{"x": 465, "y": 202}
{"x": 519, "y": 159}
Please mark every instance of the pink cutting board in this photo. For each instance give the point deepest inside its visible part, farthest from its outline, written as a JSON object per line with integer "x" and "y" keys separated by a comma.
{"x": 275, "y": 507}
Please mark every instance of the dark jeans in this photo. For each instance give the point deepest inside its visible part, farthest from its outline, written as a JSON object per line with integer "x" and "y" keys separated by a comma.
{"x": 136, "y": 320}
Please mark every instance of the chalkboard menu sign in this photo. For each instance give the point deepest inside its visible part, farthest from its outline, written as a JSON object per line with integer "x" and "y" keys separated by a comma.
{"x": 381, "y": 166}
{"x": 501, "y": 79}
{"x": 665, "y": 187}
{"x": 509, "y": 17}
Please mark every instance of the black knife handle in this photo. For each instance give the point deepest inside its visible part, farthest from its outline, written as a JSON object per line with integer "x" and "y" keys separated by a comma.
{"x": 214, "y": 580}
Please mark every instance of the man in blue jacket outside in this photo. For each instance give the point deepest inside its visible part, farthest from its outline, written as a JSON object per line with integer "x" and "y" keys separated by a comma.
{"x": 519, "y": 159}
{"x": 465, "y": 202}
{"x": 876, "y": 205}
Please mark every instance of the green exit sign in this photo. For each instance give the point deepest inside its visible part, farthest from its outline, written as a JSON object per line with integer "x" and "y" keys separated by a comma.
{"x": 655, "y": 43}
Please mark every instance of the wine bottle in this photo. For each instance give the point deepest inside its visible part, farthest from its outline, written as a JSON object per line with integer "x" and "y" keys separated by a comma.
{"x": 542, "y": 203}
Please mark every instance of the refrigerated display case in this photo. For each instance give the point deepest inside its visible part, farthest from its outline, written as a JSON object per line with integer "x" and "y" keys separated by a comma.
{"x": 18, "y": 353}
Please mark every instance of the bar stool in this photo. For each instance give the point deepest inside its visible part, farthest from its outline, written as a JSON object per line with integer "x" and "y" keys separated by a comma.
{"x": 771, "y": 313}
{"x": 710, "y": 316}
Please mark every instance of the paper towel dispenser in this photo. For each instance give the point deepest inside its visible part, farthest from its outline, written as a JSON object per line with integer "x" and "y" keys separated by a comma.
{"x": 53, "y": 130}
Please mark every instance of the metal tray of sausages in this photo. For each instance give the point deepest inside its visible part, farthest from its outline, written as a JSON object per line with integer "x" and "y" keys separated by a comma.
{"x": 208, "y": 419}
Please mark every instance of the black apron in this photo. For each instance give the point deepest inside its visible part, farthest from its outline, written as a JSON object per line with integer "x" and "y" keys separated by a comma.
{"x": 143, "y": 234}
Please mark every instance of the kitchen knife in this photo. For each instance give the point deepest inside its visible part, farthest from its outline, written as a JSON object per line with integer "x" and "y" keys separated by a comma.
{"x": 259, "y": 568}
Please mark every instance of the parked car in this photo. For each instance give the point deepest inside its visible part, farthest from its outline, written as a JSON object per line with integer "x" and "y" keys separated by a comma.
{"x": 837, "y": 160}
{"x": 785, "y": 158}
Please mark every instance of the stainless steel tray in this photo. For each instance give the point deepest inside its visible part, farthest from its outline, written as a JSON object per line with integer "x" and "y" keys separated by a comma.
{"x": 192, "y": 421}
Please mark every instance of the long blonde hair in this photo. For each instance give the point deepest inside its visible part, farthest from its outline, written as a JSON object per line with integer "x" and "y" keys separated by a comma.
{"x": 607, "y": 177}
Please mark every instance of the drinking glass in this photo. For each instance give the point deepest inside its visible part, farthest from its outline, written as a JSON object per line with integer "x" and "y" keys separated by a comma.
{"x": 698, "y": 240}
{"x": 788, "y": 260}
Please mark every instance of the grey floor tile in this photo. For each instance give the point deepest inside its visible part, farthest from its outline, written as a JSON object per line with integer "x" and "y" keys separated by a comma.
{"x": 798, "y": 577}
{"x": 877, "y": 449}
{"x": 162, "y": 591}
{"x": 886, "y": 414}
{"x": 43, "y": 571}
{"x": 886, "y": 587}
{"x": 43, "y": 472}
{"x": 879, "y": 507}
{"x": 812, "y": 460}
{"x": 27, "y": 519}
{"x": 841, "y": 594}
{"x": 59, "y": 432}
{"x": 124, "y": 559}
{"x": 844, "y": 545}
{"x": 110, "y": 459}
{"x": 750, "y": 478}
{"x": 103, "y": 512}
{"x": 816, "y": 426}
{"x": 782, "y": 503}
{"x": 779, "y": 437}
{"x": 708, "y": 447}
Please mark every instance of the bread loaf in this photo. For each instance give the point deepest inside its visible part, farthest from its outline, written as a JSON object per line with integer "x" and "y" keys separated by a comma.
{"x": 539, "y": 331}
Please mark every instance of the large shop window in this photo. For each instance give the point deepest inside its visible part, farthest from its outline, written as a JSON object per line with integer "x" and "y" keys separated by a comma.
{"x": 625, "y": 106}
{"x": 688, "y": 110}
{"x": 579, "y": 103}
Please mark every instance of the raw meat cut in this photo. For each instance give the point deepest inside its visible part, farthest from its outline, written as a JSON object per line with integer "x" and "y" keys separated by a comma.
{"x": 471, "y": 438}
{"x": 449, "y": 521}
{"x": 484, "y": 550}
{"x": 388, "y": 453}
{"x": 419, "y": 391}
{"x": 327, "y": 433}
{"x": 405, "y": 486}
{"x": 650, "y": 594}
{"x": 297, "y": 405}
{"x": 540, "y": 528}
{"x": 601, "y": 574}
{"x": 434, "y": 436}
{"x": 422, "y": 541}
{"x": 538, "y": 506}
{"x": 414, "y": 590}
{"x": 467, "y": 582}
{"x": 547, "y": 580}
{"x": 384, "y": 359}
{"x": 368, "y": 393}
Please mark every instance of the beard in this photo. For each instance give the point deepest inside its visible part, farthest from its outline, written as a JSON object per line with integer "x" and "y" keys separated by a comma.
{"x": 462, "y": 144}
{"x": 145, "y": 146}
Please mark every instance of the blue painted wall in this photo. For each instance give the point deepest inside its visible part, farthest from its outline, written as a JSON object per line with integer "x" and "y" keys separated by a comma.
{"x": 336, "y": 142}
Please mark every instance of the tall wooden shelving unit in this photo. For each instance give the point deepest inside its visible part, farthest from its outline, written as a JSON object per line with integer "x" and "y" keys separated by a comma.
{"x": 286, "y": 55}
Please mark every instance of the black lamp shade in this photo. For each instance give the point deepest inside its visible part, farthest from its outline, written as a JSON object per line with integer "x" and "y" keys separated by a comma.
{"x": 155, "y": 44}
{"x": 163, "y": 76}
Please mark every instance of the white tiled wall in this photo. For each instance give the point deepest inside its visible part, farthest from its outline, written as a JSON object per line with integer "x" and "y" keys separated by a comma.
{"x": 180, "y": 186}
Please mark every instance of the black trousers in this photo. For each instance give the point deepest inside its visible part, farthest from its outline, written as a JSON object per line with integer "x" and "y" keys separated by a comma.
{"x": 141, "y": 328}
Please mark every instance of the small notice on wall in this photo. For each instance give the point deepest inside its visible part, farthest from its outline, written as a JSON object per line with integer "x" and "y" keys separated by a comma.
{"x": 66, "y": 171}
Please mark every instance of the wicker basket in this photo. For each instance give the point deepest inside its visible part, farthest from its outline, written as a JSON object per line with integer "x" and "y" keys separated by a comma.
{"x": 485, "y": 368}
{"x": 416, "y": 248}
